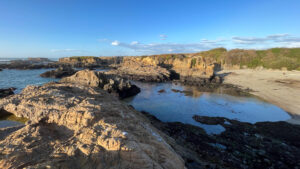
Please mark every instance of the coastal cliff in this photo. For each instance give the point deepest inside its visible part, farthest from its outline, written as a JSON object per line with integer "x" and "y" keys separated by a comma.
{"x": 187, "y": 68}
{"x": 90, "y": 61}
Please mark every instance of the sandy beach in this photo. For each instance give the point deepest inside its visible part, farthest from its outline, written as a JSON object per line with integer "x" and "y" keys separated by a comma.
{"x": 281, "y": 88}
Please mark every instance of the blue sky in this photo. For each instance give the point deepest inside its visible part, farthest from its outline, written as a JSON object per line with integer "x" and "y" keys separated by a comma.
{"x": 59, "y": 28}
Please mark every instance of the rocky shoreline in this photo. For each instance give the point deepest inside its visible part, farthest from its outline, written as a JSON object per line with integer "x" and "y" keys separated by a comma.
{"x": 241, "y": 145}
{"x": 79, "y": 126}
{"x": 79, "y": 123}
{"x": 59, "y": 72}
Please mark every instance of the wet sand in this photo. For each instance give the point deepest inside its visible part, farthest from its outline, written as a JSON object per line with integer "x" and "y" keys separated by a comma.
{"x": 281, "y": 88}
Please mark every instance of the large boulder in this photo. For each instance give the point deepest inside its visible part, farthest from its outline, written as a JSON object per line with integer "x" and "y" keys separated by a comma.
{"x": 62, "y": 71}
{"x": 110, "y": 83}
{"x": 78, "y": 126}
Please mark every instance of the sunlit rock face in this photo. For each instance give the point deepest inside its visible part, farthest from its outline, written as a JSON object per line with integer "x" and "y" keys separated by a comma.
{"x": 110, "y": 83}
{"x": 132, "y": 68}
{"x": 76, "y": 126}
{"x": 190, "y": 69}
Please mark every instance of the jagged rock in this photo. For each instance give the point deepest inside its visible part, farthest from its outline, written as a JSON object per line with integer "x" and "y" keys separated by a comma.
{"x": 60, "y": 72}
{"x": 135, "y": 70}
{"x": 110, "y": 83}
{"x": 77, "y": 126}
{"x": 6, "y": 92}
{"x": 91, "y": 61}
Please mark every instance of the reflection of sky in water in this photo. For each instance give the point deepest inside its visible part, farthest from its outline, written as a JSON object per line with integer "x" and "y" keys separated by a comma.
{"x": 21, "y": 78}
{"x": 8, "y": 123}
{"x": 171, "y": 106}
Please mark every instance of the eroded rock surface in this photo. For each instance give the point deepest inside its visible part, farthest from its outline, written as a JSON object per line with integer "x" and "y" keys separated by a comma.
{"x": 110, "y": 83}
{"x": 134, "y": 69}
{"x": 60, "y": 72}
{"x": 77, "y": 126}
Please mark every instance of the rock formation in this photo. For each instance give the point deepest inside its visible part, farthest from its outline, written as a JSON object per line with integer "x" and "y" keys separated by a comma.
{"x": 6, "y": 92}
{"x": 78, "y": 126}
{"x": 189, "y": 69}
{"x": 134, "y": 69}
{"x": 91, "y": 61}
{"x": 108, "y": 82}
{"x": 62, "y": 71}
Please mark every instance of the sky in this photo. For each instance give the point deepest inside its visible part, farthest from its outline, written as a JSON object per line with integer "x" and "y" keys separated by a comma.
{"x": 60, "y": 28}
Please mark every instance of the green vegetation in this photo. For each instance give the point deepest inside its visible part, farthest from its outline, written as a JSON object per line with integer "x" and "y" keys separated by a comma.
{"x": 12, "y": 117}
{"x": 193, "y": 62}
{"x": 82, "y": 57}
{"x": 217, "y": 54}
{"x": 275, "y": 58}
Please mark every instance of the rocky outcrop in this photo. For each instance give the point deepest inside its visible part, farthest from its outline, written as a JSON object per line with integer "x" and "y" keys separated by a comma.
{"x": 77, "y": 126}
{"x": 30, "y": 63}
{"x": 107, "y": 82}
{"x": 241, "y": 145}
{"x": 60, "y": 72}
{"x": 91, "y": 61}
{"x": 6, "y": 92}
{"x": 190, "y": 69}
{"x": 135, "y": 70}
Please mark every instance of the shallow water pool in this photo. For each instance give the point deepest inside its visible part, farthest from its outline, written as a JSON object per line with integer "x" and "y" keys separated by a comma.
{"x": 172, "y": 103}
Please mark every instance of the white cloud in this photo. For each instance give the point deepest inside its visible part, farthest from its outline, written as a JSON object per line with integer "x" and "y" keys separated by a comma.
{"x": 115, "y": 43}
{"x": 275, "y": 39}
{"x": 269, "y": 41}
{"x": 163, "y": 37}
{"x": 154, "y": 48}
{"x": 64, "y": 50}
{"x": 134, "y": 42}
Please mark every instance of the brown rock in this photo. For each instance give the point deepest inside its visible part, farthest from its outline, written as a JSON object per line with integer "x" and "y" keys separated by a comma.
{"x": 108, "y": 82}
{"x": 77, "y": 126}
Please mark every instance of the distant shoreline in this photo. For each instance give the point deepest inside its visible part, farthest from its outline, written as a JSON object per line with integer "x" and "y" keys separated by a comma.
{"x": 281, "y": 88}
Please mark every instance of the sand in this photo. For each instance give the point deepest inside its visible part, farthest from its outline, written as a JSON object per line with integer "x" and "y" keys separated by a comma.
{"x": 281, "y": 88}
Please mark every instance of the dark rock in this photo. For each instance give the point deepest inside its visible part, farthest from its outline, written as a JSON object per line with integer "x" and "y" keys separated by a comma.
{"x": 209, "y": 120}
{"x": 108, "y": 82}
{"x": 162, "y": 91}
{"x": 6, "y": 92}
{"x": 128, "y": 92}
{"x": 241, "y": 145}
{"x": 60, "y": 72}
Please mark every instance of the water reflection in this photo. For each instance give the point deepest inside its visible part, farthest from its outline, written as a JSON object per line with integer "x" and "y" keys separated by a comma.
{"x": 170, "y": 103}
{"x": 21, "y": 78}
{"x": 10, "y": 120}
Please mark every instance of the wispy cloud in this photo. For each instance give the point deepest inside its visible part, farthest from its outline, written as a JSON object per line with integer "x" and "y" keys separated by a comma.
{"x": 163, "y": 37}
{"x": 153, "y": 48}
{"x": 273, "y": 40}
{"x": 65, "y": 50}
{"x": 261, "y": 40}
